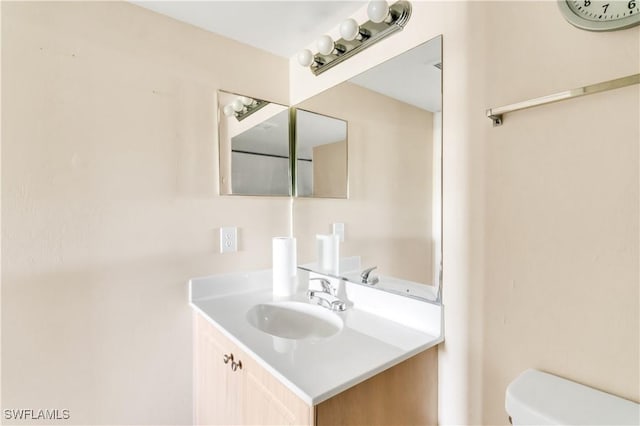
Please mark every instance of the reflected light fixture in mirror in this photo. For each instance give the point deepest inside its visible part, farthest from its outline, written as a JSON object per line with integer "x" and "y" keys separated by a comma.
{"x": 384, "y": 20}
{"x": 242, "y": 107}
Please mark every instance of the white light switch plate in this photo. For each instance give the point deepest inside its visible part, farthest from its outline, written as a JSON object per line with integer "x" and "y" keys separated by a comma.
{"x": 228, "y": 239}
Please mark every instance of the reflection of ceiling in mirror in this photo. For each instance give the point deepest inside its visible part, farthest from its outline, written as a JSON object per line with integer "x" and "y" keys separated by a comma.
{"x": 267, "y": 137}
{"x": 316, "y": 129}
{"x": 410, "y": 77}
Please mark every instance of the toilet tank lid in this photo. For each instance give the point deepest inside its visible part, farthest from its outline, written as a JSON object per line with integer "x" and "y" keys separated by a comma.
{"x": 553, "y": 400}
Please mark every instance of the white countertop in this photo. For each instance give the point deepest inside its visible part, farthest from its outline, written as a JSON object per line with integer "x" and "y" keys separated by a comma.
{"x": 313, "y": 370}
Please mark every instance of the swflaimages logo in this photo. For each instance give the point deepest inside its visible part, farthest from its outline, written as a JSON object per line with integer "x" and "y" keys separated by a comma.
{"x": 36, "y": 414}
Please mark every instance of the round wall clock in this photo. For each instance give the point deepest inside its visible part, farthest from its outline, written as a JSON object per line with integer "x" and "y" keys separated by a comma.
{"x": 601, "y": 15}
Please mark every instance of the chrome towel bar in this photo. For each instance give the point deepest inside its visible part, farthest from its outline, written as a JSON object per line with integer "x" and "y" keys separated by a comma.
{"x": 495, "y": 114}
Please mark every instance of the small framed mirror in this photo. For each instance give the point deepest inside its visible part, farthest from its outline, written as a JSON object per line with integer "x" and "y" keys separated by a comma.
{"x": 253, "y": 141}
{"x": 321, "y": 155}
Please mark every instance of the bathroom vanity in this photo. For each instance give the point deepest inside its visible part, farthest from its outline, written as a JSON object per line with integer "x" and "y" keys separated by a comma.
{"x": 367, "y": 369}
{"x": 260, "y": 359}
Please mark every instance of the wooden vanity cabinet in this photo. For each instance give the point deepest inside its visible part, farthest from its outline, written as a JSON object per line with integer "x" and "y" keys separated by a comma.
{"x": 242, "y": 395}
{"x": 241, "y": 392}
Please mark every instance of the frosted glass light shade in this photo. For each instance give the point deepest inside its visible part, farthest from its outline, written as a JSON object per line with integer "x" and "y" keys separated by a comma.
{"x": 237, "y": 105}
{"x": 378, "y": 10}
{"x": 305, "y": 57}
{"x": 245, "y": 100}
{"x": 325, "y": 45}
{"x": 349, "y": 29}
{"x": 228, "y": 110}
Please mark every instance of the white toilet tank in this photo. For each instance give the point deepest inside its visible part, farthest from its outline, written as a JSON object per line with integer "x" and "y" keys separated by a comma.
{"x": 537, "y": 398}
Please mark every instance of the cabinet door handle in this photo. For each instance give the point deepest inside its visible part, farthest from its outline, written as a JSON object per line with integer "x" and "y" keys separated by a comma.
{"x": 236, "y": 365}
{"x": 228, "y": 358}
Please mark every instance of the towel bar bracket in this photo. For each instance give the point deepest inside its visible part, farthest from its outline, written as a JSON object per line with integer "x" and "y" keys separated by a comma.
{"x": 496, "y": 118}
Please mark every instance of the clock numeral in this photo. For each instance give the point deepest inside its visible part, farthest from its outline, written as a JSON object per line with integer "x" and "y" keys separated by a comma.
{"x": 605, "y": 7}
{"x": 587, "y": 3}
{"x": 631, "y": 4}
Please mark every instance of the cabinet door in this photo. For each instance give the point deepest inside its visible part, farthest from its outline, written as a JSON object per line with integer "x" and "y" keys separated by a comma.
{"x": 250, "y": 395}
{"x": 218, "y": 389}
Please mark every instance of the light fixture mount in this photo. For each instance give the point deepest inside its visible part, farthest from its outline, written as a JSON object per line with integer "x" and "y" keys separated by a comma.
{"x": 369, "y": 34}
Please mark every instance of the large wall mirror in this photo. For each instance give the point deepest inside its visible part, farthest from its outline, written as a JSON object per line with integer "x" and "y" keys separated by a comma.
{"x": 253, "y": 146}
{"x": 393, "y": 215}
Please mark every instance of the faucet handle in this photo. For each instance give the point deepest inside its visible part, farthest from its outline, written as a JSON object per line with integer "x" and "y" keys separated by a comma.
{"x": 365, "y": 276}
{"x": 338, "y": 305}
{"x": 326, "y": 285}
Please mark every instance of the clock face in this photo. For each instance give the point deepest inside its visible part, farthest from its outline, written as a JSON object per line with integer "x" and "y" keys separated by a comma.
{"x": 598, "y": 15}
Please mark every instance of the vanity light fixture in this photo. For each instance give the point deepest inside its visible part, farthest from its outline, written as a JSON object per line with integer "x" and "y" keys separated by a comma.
{"x": 242, "y": 107}
{"x": 384, "y": 20}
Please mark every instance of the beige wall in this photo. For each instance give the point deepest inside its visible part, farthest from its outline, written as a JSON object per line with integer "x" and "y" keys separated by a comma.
{"x": 388, "y": 214}
{"x": 541, "y": 215}
{"x": 561, "y": 289}
{"x": 109, "y": 204}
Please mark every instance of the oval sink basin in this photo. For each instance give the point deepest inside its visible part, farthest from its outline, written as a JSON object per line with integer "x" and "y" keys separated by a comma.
{"x": 294, "y": 320}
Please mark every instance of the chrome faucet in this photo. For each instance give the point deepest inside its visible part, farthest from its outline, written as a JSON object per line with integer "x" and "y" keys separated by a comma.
{"x": 365, "y": 276}
{"x": 329, "y": 300}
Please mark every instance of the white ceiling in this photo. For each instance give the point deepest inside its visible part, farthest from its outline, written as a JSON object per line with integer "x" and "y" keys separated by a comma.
{"x": 410, "y": 77}
{"x": 279, "y": 27}
{"x": 272, "y": 136}
{"x": 285, "y": 27}
{"x": 269, "y": 137}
